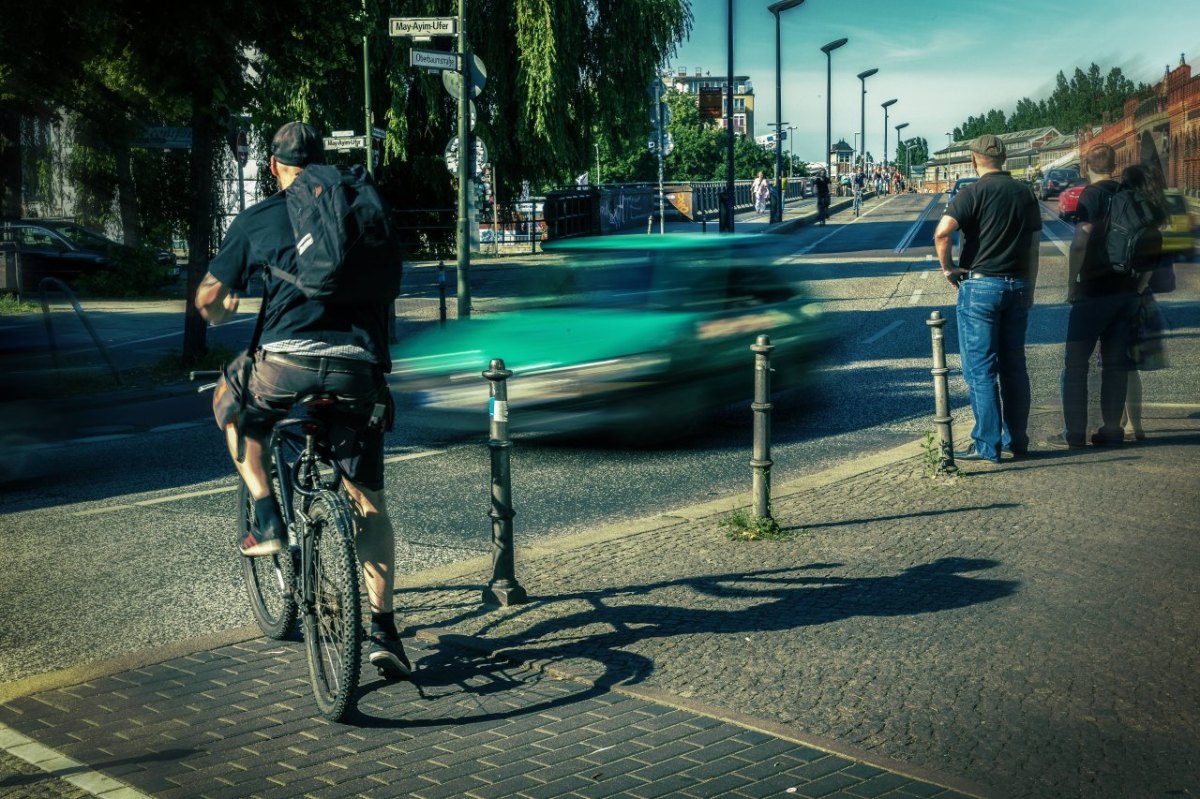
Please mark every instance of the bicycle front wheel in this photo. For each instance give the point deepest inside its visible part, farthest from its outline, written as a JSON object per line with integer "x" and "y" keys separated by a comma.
{"x": 270, "y": 580}
{"x": 332, "y": 627}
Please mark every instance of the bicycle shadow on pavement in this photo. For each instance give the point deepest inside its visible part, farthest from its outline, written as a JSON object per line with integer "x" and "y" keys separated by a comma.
{"x": 597, "y": 631}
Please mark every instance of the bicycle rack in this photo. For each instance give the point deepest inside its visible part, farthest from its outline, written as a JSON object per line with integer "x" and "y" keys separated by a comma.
{"x": 87, "y": 323}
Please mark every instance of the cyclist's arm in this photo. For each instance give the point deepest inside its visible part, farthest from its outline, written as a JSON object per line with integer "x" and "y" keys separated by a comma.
{"x": 214, "y": 300}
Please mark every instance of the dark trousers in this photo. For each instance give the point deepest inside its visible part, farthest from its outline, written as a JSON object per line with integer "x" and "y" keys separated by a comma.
{"x": 1109, "y": 320}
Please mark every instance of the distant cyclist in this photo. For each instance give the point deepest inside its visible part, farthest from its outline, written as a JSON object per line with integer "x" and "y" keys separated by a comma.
{"x": 859, "y": 183}
{"x": 821, "y": 186}
{"x": 307, "y": 346}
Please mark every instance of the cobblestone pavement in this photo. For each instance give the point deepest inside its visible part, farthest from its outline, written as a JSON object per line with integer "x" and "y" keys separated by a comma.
{"x": 1031, "y": 627}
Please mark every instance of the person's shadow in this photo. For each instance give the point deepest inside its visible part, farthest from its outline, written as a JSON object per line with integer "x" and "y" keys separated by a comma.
{"x": 613, "y": 620}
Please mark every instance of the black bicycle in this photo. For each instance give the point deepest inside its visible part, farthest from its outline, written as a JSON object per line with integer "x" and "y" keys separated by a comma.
{"x": 316, "y": 576}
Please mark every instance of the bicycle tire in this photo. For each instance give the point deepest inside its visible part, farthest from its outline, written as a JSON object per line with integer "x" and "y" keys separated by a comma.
{"x": 270, "y": 581}
{"x": 332, "y": 627}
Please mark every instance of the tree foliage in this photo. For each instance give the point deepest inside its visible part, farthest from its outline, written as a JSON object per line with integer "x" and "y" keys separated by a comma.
{"x": 1078, "y": 103}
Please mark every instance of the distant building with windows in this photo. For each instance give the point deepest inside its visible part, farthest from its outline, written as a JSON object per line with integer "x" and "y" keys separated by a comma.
{"x": 709, "y": 91}
{"x": 1029, "y": 152}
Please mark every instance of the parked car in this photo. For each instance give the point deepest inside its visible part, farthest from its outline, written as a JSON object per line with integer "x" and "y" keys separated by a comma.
{"x": 1055, "y": 182}
{"x": 67, "y": 251}
{"x": 1177, "y": 233}
{"x": 645, "y": 335}
{"x": 1068, "y": 201}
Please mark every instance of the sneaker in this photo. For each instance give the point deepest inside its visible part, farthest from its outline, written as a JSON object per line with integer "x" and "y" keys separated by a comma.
{"x": 1101, "y": 440}
{"x": 972, "y": 454}
{"x": 1060, "y": 441}
{"x": 258, "y": 543}
{"x": 387, "y": 655}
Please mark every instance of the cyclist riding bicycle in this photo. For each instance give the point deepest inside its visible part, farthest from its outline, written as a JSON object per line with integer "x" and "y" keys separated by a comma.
{"x": 306, "y": 347}
{"x": 821, "y": 186}
{"x": 859, "y": 182}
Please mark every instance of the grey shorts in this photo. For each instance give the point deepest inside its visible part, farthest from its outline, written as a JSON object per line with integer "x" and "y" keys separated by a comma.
{"x": 271, "y": 384}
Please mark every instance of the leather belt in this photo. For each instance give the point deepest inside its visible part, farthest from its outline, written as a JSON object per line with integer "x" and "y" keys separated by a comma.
{"x": 320, "y": 363}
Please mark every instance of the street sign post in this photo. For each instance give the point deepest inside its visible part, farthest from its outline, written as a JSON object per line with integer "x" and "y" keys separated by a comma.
{"x": 432, "y": 60}
{"x": 452, "y": 81}
{"x": 451, "y": 156}
{"x": 422, "y": 28}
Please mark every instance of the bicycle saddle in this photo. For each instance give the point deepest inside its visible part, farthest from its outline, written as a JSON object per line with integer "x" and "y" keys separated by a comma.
{"x": 316, "y": 400}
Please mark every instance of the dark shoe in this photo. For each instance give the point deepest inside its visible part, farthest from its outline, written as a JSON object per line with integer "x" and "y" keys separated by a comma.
{"x": 1062, "y": 442}
{"x": 1101, "y": 440}
{"x": 1135, "y": 435}
{"x": 1017, "y": 454}
{"x": 266, "y": 537}
{"x": 387, "y": 655}
{"x": 971, "y": 455}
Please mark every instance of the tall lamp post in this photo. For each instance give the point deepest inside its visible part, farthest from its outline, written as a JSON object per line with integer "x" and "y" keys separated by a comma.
{"x": 828, "y": 50}
{"x": 862, "y": 76}
{"x": 791, "y": 150}
{"x": 726, "y": 219}
{"x": 778, "y": 8}
{"x": 899, "y": 141}
{"x": 908, "y": 160}
{"x": 885, "y": 106}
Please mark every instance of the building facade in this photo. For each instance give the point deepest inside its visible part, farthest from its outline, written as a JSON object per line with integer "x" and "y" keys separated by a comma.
{"x": 709, "y": 91}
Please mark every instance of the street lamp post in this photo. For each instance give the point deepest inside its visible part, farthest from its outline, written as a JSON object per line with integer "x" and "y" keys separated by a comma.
{"x": 899, "y": 128}
{"x": 862, "y": 76}
{"x": 908, "y": 160}
{"x": 885, "y": 107}
{"x": 828, "y": 50}
{"x": 726, "y": 219}
{"x": 791, "y": 150}
{"x": 778, "y": 8}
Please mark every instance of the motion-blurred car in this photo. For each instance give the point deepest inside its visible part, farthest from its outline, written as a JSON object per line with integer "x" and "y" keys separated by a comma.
{"x": 1055, "y": 182}
{"x": 1177, "y": 233}
{"x": 67, "y": 251}
{"x": 646, "y": 334}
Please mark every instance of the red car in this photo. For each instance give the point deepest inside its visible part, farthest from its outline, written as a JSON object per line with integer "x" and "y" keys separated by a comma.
{"x": 1068, "y": 202}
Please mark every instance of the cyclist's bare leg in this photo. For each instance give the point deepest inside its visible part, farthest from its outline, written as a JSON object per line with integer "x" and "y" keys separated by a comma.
{"x": 253, "y": 468}
{"x": 376, "y": 545}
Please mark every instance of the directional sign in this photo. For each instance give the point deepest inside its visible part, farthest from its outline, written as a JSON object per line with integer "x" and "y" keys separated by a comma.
{"x": 432, "y": 59}
{"x": 423, "y": 27}
{"x": 451, "y": 156}
{"x": 164, "y": 138}
{"x": 343, "y": 143}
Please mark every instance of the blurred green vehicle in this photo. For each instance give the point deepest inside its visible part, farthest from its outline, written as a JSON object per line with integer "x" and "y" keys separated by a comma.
{"x": 637, "y": 336}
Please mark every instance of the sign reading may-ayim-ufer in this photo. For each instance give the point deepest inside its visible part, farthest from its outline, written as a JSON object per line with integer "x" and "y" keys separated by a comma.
{"x": 423, "y": 26}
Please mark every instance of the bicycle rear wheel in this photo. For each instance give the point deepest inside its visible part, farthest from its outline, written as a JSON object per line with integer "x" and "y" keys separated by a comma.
{"x": 270, "y": 580}
{"x": 332, "y": 627}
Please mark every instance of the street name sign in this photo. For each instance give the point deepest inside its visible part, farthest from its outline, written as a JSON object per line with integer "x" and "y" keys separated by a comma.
{"x": 164, "y": 138}
{"x": 423, "y": 27}
{"x": 342, "y": 143}
{"x": 432, "y": 59}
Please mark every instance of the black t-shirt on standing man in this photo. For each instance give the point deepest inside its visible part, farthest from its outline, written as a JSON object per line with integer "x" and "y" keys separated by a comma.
{"x": 998, "y": 217}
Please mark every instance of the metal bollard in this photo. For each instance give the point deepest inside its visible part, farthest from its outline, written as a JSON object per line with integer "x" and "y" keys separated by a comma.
{"x": 503, "y": 588}
{"x": 442, "y": 293}
{"x": 760, "y": 461}
{"x": 941, "y": 395}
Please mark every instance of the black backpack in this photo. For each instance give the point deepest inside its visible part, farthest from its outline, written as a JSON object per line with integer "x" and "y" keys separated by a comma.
{"x": 1132, "y": 240}
{"x": 346, "y": 252}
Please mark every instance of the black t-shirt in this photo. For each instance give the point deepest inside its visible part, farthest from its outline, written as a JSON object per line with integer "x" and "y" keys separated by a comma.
{"x": 262, "y": 235}
{"x": 822, "y": 186}
{"x": 998, "y": 218}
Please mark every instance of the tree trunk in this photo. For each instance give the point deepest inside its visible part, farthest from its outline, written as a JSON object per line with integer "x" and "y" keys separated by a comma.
{"x": 199, "y": 219}
{"x": 131, "y": 227}
{"x": 10, "y": 163}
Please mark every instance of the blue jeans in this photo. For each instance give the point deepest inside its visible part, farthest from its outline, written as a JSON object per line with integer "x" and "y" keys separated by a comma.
{"x": 992, "y": 317}
{"x": 1109, "y": 320}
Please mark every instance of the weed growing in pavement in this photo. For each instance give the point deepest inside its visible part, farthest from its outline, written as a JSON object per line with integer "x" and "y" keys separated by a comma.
{"x": 10, "y": 305}
{"x": 741, "y": 525}
{"x": 933, "y": 459}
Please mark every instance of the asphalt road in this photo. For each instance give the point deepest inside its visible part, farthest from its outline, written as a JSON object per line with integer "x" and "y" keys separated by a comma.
{"x": 128, "y": 544}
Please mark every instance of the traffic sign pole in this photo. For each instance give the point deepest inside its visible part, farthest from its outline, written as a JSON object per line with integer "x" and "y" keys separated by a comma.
{"x": 367, "y": 98}
{"x": 466, "y": 160}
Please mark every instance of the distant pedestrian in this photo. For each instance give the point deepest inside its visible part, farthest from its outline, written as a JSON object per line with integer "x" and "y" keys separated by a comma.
{"x": 995, "y": 279}
{"x": 821, "y": 186}
{"x": 760, "y": 189}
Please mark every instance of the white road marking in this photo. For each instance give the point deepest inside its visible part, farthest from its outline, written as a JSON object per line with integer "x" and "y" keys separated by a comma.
{"x": 916, "y": 296}
{"x": 144, "y": 503}
{"x": 897, "y": 323}
{"x": 67, "y": 769}
{"x": 174, "y": 335}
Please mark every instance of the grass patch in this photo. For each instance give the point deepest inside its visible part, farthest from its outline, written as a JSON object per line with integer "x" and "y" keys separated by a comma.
{"x": 741, "y": 525}
{"x": 11, "y": 306}
{"x": 175, "y": 366}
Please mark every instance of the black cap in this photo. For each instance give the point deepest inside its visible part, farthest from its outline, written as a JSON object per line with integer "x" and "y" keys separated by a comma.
{"x": 298, "y": 144}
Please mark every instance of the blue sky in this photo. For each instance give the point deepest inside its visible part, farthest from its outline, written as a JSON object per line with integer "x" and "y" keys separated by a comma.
{"x": 943, "y": 60}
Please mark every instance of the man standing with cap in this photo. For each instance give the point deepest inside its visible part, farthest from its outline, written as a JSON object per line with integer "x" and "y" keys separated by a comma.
{"x": 1000, "y": 222}
{"x": 306, "y": 346}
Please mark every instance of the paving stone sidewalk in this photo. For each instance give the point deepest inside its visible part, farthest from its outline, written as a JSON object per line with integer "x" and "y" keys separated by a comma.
{"x": 1031, "y": 628}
